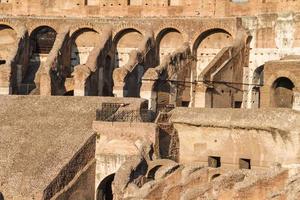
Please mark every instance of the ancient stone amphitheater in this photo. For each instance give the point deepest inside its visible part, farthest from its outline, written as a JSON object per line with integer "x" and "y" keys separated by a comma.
{"x": 150, "y": 99}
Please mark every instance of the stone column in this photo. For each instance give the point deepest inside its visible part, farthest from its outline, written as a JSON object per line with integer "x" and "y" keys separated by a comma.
{"x": 119, "y": 75}
{"x": 200, "y": 92}
{"x": 148, "y": 93}
{"x": 44, "y": 84}
{"x": 296, "y": 103}
{"x": 5, "y": 88}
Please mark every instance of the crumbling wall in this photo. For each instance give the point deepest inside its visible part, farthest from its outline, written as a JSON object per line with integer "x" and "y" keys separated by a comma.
{"x": 162, "y": 179}
{"x": 174, "y": 67}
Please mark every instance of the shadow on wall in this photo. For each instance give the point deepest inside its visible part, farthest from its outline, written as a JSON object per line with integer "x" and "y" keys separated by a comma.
{"x": 104, "y": 191}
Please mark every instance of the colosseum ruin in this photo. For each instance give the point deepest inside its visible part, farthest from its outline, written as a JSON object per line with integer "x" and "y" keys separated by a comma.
{"x": 150, "y": 99}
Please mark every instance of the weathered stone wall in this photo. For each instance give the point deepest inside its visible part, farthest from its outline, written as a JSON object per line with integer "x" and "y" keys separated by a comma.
{"x": 274, "y": 37}
{"x": 118, "y": 142}
{"x": 118, "y": 8}
{"x": 204, "y": 133}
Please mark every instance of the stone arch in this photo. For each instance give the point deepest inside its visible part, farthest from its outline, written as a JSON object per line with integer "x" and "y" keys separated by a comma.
{"x": 168, "y": 40}
{"x": 124, "y": 42}
{"x": 8, "y": 37}
{"x": 41, "y": 41}
{"x": 104, "y": 190}
{"x": 208, "y": 44}
{"x": 283, "y": 93}
{"x": 82, "y": 44}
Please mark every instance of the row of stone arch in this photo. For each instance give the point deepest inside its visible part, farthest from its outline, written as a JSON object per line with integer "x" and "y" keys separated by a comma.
{"x": 83, "y": 40}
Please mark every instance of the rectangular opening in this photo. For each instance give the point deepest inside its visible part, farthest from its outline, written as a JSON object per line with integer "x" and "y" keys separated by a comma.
{"x": 238, "y": 104}
{"x": 185, "y": 103}
{"x": 214, "y": 162}
{"x": 245, "y": 163}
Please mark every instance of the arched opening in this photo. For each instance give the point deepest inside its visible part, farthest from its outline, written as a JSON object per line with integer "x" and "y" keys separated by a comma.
{"x": 208, "y": 45}
{"x": 258, "y": 81}
{"x": 125, "y": 41}
{"x": 283, "y": 93}
{"x": 1, "y": 196}
{"x": 104, "y": 191}
{"x": 7, "y": 40}
{"x": 152, "y": 172}
{"x": 41, "y": 42}
{"x": 168, "y": 41}
{"x": 83, "y": 42}
{"x": 214, "y": 176}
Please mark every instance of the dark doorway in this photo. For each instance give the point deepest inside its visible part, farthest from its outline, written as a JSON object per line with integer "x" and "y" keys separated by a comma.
{"x": 283, "y": 93}
{"x": 245, "y": 163}
{"x": 104, "y": 191}
{"x": 238, "y": 104}
{"x": 214, "y": 162}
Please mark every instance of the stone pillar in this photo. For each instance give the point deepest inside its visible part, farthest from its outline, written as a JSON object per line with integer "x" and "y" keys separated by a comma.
{"x": 200, "y": 92}
{"x": 44, "y": 84}
{"x": 148, "y": 93}
{"x": 79, "y": 87}
{"x": 118, "y": 90}
{"x": 119, "y": 75}
{"x": 5, "y": 88}
{"x": 80, "y": 74}
{"x": 296, "y": 104}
